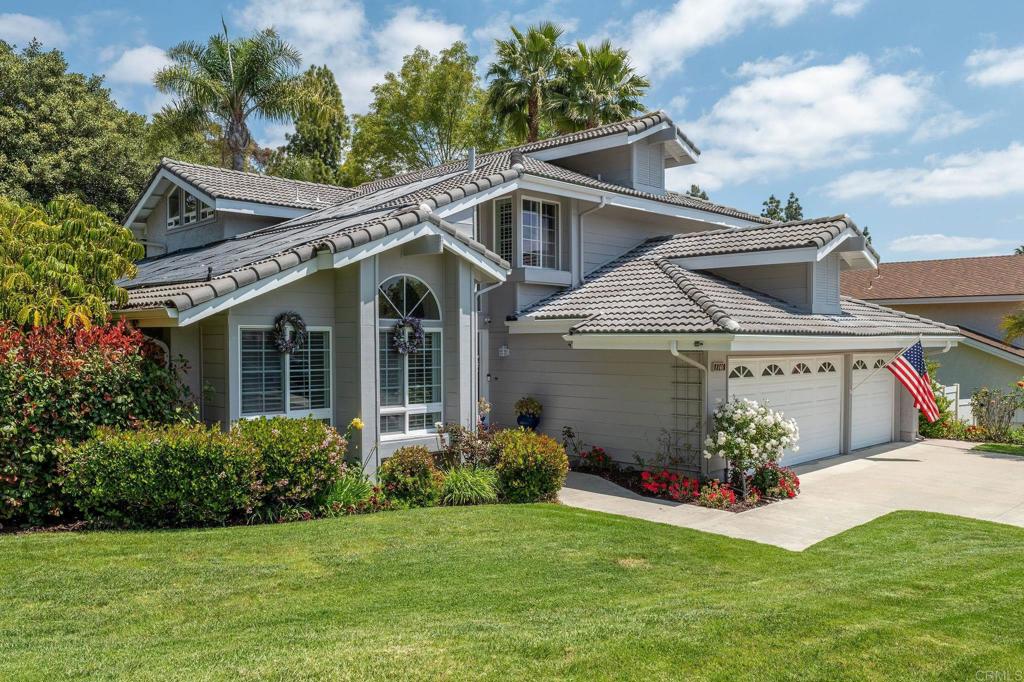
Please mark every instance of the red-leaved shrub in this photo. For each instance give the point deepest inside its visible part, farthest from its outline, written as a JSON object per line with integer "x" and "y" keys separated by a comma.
{"x": 57, "y": 385}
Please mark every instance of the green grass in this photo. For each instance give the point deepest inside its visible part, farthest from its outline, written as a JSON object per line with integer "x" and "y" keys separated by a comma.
{"x": 1001, "y": 447}
{"x": 512, "y": 592}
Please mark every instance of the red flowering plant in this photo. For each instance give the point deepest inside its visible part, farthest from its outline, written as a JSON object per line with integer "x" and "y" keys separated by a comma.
{"x": 597, "y": 459}
{"x": 58, "y": 385}
{"x": 717, "y": 495}
{"x": 669, "y": 484}
{"x": 776, "y": 481}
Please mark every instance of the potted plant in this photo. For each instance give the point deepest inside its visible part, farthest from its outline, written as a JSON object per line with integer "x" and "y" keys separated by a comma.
{"x": 528, "y": 412}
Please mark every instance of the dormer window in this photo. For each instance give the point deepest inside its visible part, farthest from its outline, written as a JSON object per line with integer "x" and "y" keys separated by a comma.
{"x": 184, "y": 208}
{"x": 540, "y": 233}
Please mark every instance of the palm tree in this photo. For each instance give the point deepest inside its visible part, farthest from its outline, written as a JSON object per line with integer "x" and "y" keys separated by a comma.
{"x": 227, "y": 81}
{"x": 527, "y": 70}
{"x": 1013, "y": 325}
{"x": 600, "y": 86}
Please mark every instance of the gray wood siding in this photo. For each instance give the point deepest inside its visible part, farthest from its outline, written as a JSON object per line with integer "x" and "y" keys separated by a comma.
{"x": 826, "y": 286}
{"x": 213, "y": 333}
{"x": 622, "y": 401}
{"x": 346, "y": 347}
{"x": 610, "y": 232}
{"x": 787, "y": 282}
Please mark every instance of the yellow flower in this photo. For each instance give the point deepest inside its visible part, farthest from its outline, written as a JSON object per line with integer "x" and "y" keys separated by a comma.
{"x": 356, "y": 424}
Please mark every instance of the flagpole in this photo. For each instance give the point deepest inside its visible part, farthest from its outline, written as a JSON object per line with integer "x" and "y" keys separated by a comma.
{"x": 878, "y": 369}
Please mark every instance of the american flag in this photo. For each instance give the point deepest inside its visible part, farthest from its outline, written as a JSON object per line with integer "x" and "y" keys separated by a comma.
{"x": 909, "y": 368}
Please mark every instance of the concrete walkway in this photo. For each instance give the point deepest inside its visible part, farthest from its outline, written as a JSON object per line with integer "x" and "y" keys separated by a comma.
{"x": 840, "y": 493}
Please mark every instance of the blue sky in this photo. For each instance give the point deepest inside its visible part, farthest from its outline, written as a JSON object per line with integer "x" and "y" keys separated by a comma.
{"x": 905, "y": 115}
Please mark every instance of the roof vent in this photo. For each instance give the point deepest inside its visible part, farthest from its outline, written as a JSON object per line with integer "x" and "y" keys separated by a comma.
{"x": 472, "y": 159}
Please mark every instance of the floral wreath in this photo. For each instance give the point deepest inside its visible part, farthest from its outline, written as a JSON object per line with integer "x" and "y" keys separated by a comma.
{"x": 285, "y": 342}
{"x": 407, "y": 343}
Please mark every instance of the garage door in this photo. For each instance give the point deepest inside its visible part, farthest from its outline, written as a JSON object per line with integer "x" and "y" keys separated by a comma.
{"x": 807, "y": 389}
{"x": 873, "y": 397}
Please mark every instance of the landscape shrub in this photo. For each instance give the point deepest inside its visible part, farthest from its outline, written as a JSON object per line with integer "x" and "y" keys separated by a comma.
{"x": 410, "y": 477}
{"x": 469, "y": 485}
{"x": 776, "y": 481}
{"x": 531, "y": 466}
{"x": 58, "y": 384}
{"x": 300, "y": 461}
{"x": 461, "y": 445}
{"x": 993, "y": 410}
{"x": 163, "y": 476}
{"x": 669, "y": 484}
{"x": 716, "y": 495}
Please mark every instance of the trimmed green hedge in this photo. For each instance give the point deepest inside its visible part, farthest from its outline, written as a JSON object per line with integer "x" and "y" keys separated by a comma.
{"x": 531, "y": 466}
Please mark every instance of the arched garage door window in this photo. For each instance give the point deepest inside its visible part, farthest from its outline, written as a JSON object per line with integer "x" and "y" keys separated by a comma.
{"x": 410, "y": 385}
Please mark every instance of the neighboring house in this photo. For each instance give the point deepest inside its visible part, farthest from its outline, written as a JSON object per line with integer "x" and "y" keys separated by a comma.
{"x": 975, "y": 294}
{"x": 561, "y": 269}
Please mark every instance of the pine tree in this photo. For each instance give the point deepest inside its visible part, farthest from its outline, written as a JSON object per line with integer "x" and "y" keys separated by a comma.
{"x": 772, "y": 209}
{"x": 697, "y": 193}
{"x": 794, "y": 211}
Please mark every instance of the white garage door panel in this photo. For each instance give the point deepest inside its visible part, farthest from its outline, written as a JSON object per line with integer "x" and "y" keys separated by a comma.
{"x": 806, "y": 389}
{"x": 872, "y": 402}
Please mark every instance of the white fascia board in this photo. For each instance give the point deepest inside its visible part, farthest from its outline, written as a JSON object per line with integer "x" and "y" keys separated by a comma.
{"x": 531, "y": 326}
{"x": 573, "y": 191}
{"x": 256, "y": 208}
{"x": 737, "y": 260}
{"x": 150, "y": 317}
{"x": 478, "y": 198}
{"x": 1005, "y": 298}
{"x": 481, "y": 262}
{"x": 636, "y": 137}
{"x": 585, "y": 147}
{"x": 992, "y": 350}
{"x": 751, "y": 342}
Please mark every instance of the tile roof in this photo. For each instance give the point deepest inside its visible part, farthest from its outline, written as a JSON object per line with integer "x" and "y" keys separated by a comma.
{"x": 992, "y": 342}
{"x": 224, "y": 183}
{"x": 952, "y": 277}
{"x": 630, "y": 126}
{"x": 644, "y": 292}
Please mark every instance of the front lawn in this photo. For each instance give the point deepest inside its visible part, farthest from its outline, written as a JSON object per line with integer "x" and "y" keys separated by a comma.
{"x": 513, "y": 592}
{"x": 1003, "y": 448}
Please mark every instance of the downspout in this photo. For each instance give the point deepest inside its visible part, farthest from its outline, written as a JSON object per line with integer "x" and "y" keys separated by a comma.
{"x": 674, "y": 349}
{"x": 593, "y": 209}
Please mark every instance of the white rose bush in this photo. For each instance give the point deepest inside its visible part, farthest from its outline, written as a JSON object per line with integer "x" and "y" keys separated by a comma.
{"x": 750, "y": 436}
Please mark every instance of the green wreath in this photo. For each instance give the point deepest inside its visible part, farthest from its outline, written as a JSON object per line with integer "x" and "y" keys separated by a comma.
{"x": 285, "y": 342}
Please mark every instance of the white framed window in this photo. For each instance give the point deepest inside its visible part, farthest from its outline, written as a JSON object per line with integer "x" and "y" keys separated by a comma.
{"x": 504, "y": 228}
{"x": 540, "y": 233}
{"x": 410, "y": 385}
{"x": 296, "y": 384}
{"x": 184, "y": 208}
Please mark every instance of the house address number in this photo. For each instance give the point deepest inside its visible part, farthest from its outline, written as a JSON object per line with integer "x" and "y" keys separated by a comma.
{"x": 718, "y": 366}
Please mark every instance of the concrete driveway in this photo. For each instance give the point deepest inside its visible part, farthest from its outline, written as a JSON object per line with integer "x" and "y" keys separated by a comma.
{"x": 840, "y": 493}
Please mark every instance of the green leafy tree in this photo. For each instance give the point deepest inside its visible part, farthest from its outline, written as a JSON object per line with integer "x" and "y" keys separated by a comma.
{"x": 432, "y": 111}
{"x": 697, "y": 193}
{"x": 317, "y": 148}
{"x": 793, "y": 211}
{"x": 867, "y": 234}
{"x": 772, "y": 208}
{"x": 60, "y": 262}
{"x": 598, "y": 86}
{"x": 1013, "y": 325}
{"x": 62, "y": 134}
{"x": 228, "y": 81}
{"x": 1019, "y": 251}
{"x": 527, "y": 72}
{"x": 205, "y": 146}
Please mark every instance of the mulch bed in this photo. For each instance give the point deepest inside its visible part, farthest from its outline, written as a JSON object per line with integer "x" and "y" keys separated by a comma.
{"x": 630, "y": 480}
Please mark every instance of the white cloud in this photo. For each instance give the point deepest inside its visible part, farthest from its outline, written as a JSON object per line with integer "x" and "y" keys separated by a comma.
{"x": 677, "y": 105}
{"x": 848, "y": 8}
{"x": 972, "y": 175}
{"x": 137, "y": 65}
{"x": 338, "y": 33}
{"x": 946, "y": 124}
{"x": 816, "y": 117}
{"x": 944, "y": 244}
{"x": 659, "y": 40}
{"x": 20, "y": 29}
{"x": 776, "y": 66}
{"x": 996, "y": 67}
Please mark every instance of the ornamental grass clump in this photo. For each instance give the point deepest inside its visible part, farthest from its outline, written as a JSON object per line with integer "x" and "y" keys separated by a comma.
{"x": 750, "y": 436}
{"x": 469, "y": 485}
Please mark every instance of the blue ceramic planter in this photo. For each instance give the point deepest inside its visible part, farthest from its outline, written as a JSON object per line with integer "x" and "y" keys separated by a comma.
{"x": 528, "y": 421}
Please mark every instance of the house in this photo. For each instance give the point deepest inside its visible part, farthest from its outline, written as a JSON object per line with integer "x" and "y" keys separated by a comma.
{"x": 975, "y": 294}
{"x": 561, "y": 269}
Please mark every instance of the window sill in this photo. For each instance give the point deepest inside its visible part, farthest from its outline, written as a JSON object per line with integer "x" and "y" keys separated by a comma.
{"x": 535, "y": 275}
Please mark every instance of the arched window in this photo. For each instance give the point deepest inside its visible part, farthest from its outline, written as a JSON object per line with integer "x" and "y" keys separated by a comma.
{"x": 879, "y": 363}
{"x": 410, "y": 384}
{"x": 772, "y": 371}
{"x": 826, "y": 368}
{"x": 801, "y": 368}
{"x": 740, "y": 372}
{"x": 860, "y": 364}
